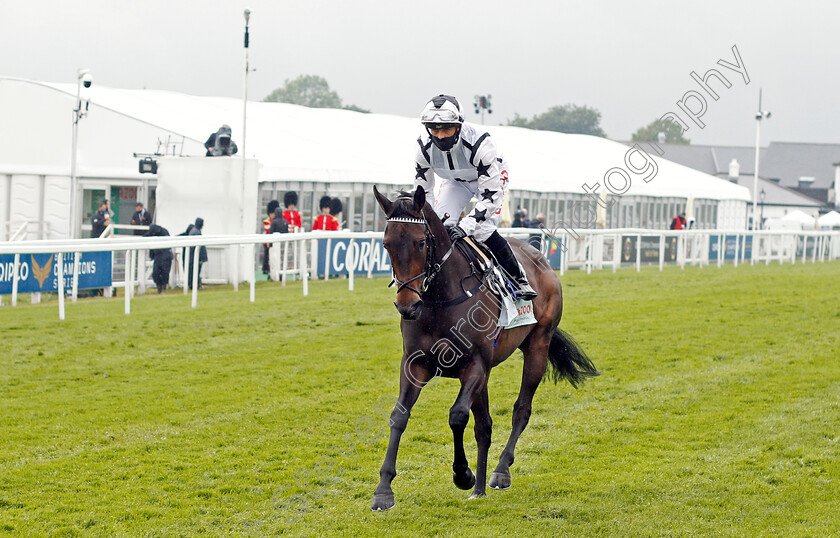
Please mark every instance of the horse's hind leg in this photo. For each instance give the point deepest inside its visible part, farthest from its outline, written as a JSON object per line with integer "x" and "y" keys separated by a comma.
{"x": 536, "y": 357}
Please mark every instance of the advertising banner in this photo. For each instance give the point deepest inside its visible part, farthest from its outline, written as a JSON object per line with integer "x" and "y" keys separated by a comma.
{"x": 365, "y": 254}
{"x": 39, "y": 272}
{"x": 731, "y": 243}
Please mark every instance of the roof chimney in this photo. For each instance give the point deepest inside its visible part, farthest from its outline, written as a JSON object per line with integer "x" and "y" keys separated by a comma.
{"x": 806, "y": 182}
{"x": 734, "y": 170}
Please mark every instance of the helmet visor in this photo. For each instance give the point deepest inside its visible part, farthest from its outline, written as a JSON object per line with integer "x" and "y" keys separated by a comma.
{"x": 440, "y": 116}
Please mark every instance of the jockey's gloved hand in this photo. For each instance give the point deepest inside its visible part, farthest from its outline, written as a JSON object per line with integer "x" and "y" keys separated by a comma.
{"x": 456, "y": 232}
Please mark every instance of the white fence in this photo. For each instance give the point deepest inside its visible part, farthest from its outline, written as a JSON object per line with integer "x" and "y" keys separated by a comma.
{"x": 584, "y": 249}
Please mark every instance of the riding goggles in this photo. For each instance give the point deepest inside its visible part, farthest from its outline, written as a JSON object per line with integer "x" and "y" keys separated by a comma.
{"x": 441, "y": 116}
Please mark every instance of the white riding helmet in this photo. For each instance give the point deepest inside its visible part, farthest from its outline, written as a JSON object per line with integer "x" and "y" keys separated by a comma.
{"x": 441, "y": 112}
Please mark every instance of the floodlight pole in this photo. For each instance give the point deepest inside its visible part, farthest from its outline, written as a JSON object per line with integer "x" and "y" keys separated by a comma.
{"x": 244, "y": 117}
{"x": 482, "y": 103}
{"x": 78, "y": 114}
{"x": 760, "y": 115}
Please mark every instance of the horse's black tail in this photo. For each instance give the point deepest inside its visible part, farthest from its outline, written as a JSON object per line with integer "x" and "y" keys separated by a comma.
{"x": 568, "y": 360}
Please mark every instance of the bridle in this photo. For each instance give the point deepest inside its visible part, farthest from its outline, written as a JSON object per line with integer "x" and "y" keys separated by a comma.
{"x": 430, "y": 268}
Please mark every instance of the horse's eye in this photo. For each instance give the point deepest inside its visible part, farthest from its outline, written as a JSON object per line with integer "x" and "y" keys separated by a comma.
{"x": 386, "y": 245}
{"x": 421, "y": 243}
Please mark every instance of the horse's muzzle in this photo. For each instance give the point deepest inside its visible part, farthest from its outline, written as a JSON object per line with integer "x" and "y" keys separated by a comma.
{"x": 410, "y": 312}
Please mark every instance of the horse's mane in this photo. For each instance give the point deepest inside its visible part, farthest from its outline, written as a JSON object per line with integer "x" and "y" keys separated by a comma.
{"x": 403, "y": 205}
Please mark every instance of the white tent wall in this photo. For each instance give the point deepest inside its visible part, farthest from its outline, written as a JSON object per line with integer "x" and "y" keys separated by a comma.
{"x": 211, "y": 188}
{"x": 40, "y": 207}
{"x": 328, "y": 148}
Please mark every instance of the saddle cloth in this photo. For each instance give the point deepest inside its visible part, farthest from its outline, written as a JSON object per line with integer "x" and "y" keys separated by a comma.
{"x": 514, "y": 313}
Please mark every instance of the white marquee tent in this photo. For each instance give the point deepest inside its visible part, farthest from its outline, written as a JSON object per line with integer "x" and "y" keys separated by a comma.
{"x": 830, "y": 220}
{"x": 313, "y": 151}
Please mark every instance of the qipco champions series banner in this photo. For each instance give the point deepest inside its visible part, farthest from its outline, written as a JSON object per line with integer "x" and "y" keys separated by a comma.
{"x": 39, "y": 272}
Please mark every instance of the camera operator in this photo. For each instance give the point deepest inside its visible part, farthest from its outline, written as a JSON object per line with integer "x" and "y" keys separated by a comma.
{"x": 220, "y": 143}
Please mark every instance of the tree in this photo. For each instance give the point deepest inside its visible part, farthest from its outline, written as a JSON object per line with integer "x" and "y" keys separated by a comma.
{"x": 355, "y": 108}
{"x": 309, "y": 90}
{"x": 650, "y": 132}
{"x": 569, "y": 118}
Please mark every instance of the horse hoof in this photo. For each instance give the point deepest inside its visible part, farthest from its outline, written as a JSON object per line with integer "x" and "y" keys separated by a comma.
{"x": 475, "y": 496}
{"x": 465, "y": 480}
{"x": 499, "y": 481}
{"x": 382, "y": 502}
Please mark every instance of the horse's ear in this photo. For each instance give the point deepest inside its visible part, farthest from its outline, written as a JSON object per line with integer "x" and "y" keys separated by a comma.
{"x": 386, "y": 204}
{"x": 419, "y": 198}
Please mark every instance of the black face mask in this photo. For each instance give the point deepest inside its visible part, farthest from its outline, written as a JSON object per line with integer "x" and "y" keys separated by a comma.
{"x": 445, "y": 144}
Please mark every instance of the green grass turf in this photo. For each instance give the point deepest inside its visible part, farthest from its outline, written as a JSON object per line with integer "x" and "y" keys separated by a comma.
{"x": 717, "y": 413}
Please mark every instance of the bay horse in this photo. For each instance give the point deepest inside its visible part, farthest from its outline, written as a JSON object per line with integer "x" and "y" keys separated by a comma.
{"x": 449, "y": 318}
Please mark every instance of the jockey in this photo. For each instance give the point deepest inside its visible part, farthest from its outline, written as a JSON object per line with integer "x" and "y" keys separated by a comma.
{"x": 467, "y": 160}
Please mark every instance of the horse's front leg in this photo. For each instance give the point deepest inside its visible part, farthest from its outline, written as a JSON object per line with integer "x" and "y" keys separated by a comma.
{"x": 472, "y": 379}
{"x": 412, "y": 379}
{"x": 483, "y": 434}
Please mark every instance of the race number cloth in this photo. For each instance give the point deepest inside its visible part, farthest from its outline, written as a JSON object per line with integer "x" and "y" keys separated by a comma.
{"x": 516, "y": 314}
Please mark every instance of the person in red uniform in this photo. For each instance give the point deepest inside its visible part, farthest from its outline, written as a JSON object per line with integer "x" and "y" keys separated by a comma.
{"x": 335, "y": 210}
{"x": 291, "y": 214}
{"x": 272, "y": 206}
{"x": 325, "y": 221}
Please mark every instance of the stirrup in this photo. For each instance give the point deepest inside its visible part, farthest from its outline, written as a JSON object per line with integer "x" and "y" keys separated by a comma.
{"x": 524, "y": 290}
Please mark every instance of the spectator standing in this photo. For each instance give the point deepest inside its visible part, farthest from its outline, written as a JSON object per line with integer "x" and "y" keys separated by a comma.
{"x": 271, "y": 208}
{"x": 101, "y": 219}
{"x": 202, "y": 254}
{"x": 278, "y": 226}
{"x": 291, "y": 215}
{"x": 678, "y": 223}
{"x": 141, "y": 217}
{"x": 325, "y": 221}
{"x": 535, "y": 240}
{"x": 162, "y": 258}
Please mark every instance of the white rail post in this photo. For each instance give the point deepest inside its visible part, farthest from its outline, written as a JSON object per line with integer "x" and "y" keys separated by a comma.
{"x": 60, "y": 286}
{"x": 303, "y": 276}
{"x": 350, "y": 263}
{"x": 737, "y": 248}
{"x": 721, "y": 248}
{"x": 186, "y": 253}
{"x": 589, "y": 248}
{"x": 16, "y": 269}
{"x": 76, "y": 259}
{"x": 804, "y": 248}
{"x": 286, "y": 246}
{"x": 234, "y": 266}
{"x": 370, "y": 258}
{"x": 616, "y": 252}
{"x": 195, "y": 273}
{"x": 140, "y": 275}
{"x": 661, "y": 252}
{"x": 638, "y": 253}
{"x": 563, "y": 245}
{"x": 129, "y": 257}
{"x": 252, "y": 275}
{"x": 327, "y": 255}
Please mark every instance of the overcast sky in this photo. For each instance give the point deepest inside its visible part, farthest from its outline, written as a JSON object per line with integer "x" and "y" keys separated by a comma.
{"x": 630, "y": 60}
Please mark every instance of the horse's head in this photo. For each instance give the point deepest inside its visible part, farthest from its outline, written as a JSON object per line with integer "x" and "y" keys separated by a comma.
{"x": 410, "y": 243}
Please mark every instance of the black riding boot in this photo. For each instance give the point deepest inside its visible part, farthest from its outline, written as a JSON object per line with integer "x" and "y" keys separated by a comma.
{"x": 501, "y": 249}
